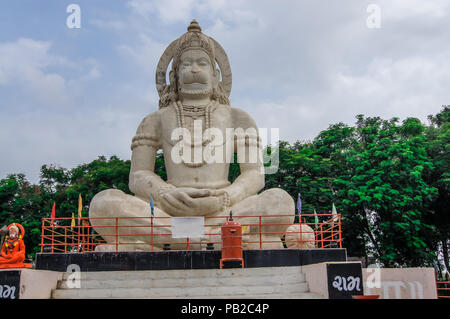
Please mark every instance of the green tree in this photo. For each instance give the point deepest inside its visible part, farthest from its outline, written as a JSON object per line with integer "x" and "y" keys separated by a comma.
{"x": 438, "y": 148}
{"x": 383, "y": 190}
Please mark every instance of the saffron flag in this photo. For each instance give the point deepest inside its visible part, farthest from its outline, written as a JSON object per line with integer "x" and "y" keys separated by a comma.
{"x": 72, "y": 224}
{"x": 151, "y": 206}
{"x": 52, "y": 221}
{"x": 80, "y": 207}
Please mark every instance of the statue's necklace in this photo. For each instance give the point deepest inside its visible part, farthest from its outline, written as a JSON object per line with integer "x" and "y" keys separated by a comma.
{"x": 194, "y": 112}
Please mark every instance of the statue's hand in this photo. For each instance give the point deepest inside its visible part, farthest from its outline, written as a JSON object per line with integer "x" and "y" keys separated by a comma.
{"x": 190, "y": 201}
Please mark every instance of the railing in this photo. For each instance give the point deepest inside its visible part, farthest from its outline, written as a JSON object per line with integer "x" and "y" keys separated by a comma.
{"x": 154, "y": 233}
{"x": 443, "y": 289}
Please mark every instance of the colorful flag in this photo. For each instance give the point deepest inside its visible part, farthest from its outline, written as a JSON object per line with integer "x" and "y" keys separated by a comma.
{"x": 151, "y": 205}
{"x": 334, "y": 212}
{"x": 52, "y": 221}
{"x": 72, "y": 224}
{"x": 299, "y": 205}
{"x": 316, "y": 218}
{"x": 80, "y": 207}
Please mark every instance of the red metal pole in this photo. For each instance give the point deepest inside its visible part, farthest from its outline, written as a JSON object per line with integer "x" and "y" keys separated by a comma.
{"x": 301, "y": 234}
{"x": 117, "y": 233}
{"x": 340, "y": 237}
{"x": 321, "y": 234}
{"x": 65, "y": 239}
{"x": 42, "y": 236}
{"x": 151, "y": 219}
{"x": 260, "y": 232}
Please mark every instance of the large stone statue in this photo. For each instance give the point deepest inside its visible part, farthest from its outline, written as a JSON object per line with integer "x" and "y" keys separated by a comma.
{"x": 192, "y": 121}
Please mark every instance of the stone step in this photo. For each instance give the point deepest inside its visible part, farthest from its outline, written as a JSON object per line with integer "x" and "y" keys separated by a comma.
{"x": 188, "y": 273}
{"x": 137, "y": 282}
{"x": 190, "y": 292}
{"x": 302, "y": 295}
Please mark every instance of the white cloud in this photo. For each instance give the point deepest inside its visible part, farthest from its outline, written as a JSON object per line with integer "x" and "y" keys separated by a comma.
{"x": 111, "y": 24}
{"x": 410, "y": 9}
{"x": 144, "y": 53}
{"x": 24, "y": 63}
{"x": 409, "y": 86}
{"x": 169, "y": 11}
{"x": 296, "y": 65}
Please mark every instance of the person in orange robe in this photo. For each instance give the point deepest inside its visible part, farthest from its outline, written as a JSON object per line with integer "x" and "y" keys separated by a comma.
{"x": 13, "y": 250}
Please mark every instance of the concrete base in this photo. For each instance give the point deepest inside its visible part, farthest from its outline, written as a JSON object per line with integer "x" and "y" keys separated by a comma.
{"x": 32, "y": 284}
{"x": 400, "y": 283}
{"x": 299, "y": 282}
{"x": 167, "y": 260}
{"x": 387, "y": 283}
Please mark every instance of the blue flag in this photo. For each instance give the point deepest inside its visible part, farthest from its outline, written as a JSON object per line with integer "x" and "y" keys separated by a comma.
{"x": 299, "y": 205}
{"x": 151, "y": 205}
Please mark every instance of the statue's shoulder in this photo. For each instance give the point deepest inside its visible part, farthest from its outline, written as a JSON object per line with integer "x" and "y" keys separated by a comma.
{"x": 150, "y": 123}
{"x": 242, "y": 119}
{"x": 148, "y": 132}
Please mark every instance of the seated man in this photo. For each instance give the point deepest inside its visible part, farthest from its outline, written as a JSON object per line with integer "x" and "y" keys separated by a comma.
{"x": 193, "y": 119}
{"x": 13, "y": 250}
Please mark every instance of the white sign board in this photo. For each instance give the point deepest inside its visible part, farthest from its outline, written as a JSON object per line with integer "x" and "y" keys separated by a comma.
{"x": 188, "y": 227}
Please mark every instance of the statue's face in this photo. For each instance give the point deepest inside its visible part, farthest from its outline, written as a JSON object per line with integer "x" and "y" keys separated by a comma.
{"x": 196, "y": 74}
{"x": 12, "y": 233}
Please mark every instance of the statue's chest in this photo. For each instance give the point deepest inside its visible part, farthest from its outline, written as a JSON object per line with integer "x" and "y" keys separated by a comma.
{"x": 195, "y": 125}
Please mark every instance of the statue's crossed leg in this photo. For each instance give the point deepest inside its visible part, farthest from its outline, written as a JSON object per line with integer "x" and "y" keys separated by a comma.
{"x": 123, "y": 222}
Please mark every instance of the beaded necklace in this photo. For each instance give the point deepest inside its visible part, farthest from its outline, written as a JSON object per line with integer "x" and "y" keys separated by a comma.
{"x": 194, "y": 112}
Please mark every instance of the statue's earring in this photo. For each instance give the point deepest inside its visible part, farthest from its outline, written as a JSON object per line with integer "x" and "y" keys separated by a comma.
{"x": 171, "y": 78}
{"x": 173, "y": 81}
{"x": 217, "y": 78}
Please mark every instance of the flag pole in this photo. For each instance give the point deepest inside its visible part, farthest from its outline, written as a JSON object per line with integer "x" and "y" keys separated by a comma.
{"x": 80, "y": 208}
{"x": 152, "y": 209}
{"x": 72, "y": 225}
{"x": 52, "y": 223}
{"x": 299, "y": 208}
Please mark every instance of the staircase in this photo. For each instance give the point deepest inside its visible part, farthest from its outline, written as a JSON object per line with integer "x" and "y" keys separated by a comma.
{"x": 267, "y": 282}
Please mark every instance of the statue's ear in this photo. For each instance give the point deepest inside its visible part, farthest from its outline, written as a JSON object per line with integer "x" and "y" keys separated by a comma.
{"x": 216, "y": 77}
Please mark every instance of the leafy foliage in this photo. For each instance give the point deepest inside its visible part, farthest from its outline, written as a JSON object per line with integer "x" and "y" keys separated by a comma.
{"x": 389, "y": 180}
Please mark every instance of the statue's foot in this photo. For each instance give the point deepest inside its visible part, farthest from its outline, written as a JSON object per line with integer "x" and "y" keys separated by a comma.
{"x": 138, "y": 246}
{"x": 105, "y": 248}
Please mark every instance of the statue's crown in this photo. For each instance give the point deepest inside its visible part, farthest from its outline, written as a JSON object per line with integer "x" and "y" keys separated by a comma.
{"x": 193, "y": 39}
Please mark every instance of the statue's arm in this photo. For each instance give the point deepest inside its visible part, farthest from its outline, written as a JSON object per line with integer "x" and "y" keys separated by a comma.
{"x": 251, "y": 180}
{"x": 143, "y": 180}
{"x": 4, "y": 253}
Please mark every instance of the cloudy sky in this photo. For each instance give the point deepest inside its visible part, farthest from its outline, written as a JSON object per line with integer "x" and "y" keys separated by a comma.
{"x": 70, "y": 95}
